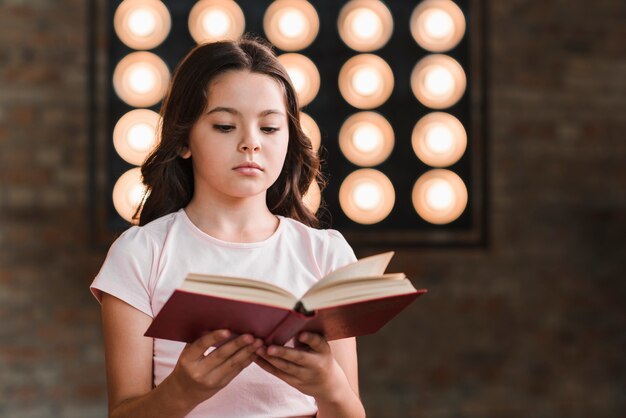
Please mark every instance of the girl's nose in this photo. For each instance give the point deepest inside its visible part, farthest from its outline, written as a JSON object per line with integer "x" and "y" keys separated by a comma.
{"x": 250, "y": 143}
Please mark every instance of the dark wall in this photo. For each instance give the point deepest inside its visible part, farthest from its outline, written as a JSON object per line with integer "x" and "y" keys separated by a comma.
{"x": 531, "y": 326}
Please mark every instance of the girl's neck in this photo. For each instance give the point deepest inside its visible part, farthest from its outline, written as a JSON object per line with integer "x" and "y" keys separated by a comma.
{"x": 244, "y": 223}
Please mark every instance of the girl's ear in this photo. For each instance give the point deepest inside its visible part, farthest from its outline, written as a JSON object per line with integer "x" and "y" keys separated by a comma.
{"x": 185, "y": 152}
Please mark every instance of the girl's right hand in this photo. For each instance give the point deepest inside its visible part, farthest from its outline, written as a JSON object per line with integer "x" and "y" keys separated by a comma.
{"x": 199, "y": 376}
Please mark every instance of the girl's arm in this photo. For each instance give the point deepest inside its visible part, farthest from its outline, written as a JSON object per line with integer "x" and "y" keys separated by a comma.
{"x": 326, "y": 371}
{"x": 195, "y": 378}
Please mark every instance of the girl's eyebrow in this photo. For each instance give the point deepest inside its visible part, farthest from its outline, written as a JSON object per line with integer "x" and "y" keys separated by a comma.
{"x": 237, "y": 113}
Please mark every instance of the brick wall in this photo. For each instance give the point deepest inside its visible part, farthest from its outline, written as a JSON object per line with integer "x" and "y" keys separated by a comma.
{"x": 531, "y": 326}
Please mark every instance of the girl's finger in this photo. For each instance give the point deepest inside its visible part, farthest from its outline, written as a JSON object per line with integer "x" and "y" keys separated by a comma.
{"x": 315, "y": 341}
{"x": 197, "y": 349}
{"x": 280, "y": 363}
{"x": 228, "y": 349}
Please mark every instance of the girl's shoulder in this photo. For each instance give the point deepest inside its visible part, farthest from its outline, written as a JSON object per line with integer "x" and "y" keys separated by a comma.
{"x": 149, "y": 234}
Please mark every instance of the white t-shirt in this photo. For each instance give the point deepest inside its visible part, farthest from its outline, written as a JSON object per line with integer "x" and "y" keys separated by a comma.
{"x": 145, "y": 264}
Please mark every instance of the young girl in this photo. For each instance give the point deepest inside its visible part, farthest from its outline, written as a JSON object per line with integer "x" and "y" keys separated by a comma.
{"x": 225, "y": 191}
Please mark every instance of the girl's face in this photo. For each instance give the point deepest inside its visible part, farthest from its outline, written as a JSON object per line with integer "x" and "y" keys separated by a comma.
{"x": 240, "y": 142}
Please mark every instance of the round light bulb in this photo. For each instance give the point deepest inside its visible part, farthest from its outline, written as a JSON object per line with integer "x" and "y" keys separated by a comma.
{"x": 216, "y": 23}
{"x": 365, "y": 25}
{"x": 439, "y": 139}
{"x": 216, "y": 20}
{"x": 291, "y": 25}
{"x": 439, "y": 196}
{"x": 367, "y": 137}
{"x": 437, "y": 25}
{"x": 366, "y": 196}
{"x": 142, "y": 22}
{"x": 366, "y": 81}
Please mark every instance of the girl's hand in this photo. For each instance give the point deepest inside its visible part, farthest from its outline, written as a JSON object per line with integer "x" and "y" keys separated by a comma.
{"x": 198, "y": 375}
{"x": 311, "y": 368}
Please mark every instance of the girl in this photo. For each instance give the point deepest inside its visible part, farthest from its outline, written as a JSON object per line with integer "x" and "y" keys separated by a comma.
{"x": 225, "y": 189}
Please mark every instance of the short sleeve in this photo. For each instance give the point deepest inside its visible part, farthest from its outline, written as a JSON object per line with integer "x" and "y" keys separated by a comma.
{"x": 127, "y": 269}
{"x": 338, "y": 252}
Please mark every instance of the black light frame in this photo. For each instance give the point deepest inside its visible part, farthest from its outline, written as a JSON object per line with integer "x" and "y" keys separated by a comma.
{"x": 403, "y": 227}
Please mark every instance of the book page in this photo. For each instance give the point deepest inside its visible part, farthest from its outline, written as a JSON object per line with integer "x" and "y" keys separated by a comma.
{"x": 239, "y": 288}
{"x": 372, "y": 266}
{"x": 361, "y": 290}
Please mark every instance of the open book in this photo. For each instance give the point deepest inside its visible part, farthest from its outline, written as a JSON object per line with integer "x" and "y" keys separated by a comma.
{"x": 354, "y": 300}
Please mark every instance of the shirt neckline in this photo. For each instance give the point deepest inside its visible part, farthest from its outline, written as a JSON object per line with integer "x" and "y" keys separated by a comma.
{"x": 230, "y": 244}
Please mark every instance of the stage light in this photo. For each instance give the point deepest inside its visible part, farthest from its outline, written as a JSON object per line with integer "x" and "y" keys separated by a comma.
{"x": 311, "y": 130}
{"x": 439, "y": 196}
{"x": 142, "y": 24}
{"x": 135, "y": 135}
{"x": 366, "y": 81}
{"x": 313, "y": 197}
{"x": 291, "y": 25}
{"x": 438, "y": 81}
{"x": 365, "y": 25}
{"x": 366, "y": 196}
{"x": 128, "y": 193}
{"x": 141, "y": 79}
{"x": 304, "y": 76}
{"x": 366, "y": 139}
{"x": 439, "y": 139}
{"x": 437, "y": 25}
{"x": 215, "y": 20}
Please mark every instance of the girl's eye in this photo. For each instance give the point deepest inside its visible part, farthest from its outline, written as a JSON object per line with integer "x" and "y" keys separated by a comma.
{"x": 223, "y": 128}
{"x": 269, "y": 130}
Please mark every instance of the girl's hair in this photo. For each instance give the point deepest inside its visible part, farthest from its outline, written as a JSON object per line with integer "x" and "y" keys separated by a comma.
{"x": 169, "y": 177}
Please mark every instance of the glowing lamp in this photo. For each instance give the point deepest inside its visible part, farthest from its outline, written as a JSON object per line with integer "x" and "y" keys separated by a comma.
{"x": 216, "y": 20}
{"x": 437, "y": 25}
{"x": 291, "y": 24}
{"x": 366, "y": 81}
{"x": 135, "y": 135}
{"x": 439, "y": 196}
{"x": 141, "y": 79}
{"x": 128, "y": 193}
{"x": 366, "y": 196}
{"x": 365, "y": 25}
{"x": 142, "y": 24}
{"x": 304, "y": 76}
{"x": 366, "y": 139}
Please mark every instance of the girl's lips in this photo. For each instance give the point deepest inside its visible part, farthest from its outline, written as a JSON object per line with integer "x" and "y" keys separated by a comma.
{"x": 249, "y": 169}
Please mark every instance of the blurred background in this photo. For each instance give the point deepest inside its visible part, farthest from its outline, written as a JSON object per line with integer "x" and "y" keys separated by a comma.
{"x": 531, "y": 323}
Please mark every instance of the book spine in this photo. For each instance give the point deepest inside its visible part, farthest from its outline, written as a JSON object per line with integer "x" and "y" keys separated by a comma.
{"x": 288, "y": 328}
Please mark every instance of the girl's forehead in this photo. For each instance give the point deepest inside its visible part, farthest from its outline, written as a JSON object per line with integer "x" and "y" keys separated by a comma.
{"x": 246, "y": 89}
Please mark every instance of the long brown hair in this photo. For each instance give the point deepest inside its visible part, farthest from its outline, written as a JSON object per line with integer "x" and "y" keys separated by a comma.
{"x": 169, "y": 177}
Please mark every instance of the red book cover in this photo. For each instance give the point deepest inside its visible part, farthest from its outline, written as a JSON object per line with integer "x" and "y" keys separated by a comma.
{"x": 186, "y": 316}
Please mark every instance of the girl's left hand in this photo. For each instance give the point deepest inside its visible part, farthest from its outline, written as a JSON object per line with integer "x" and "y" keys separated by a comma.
{"x": 310, "y": 368}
